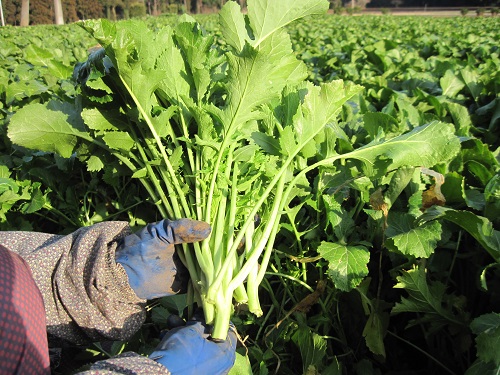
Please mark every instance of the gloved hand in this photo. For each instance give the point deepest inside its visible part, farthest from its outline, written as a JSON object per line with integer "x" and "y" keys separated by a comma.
{"x": 187, "y": 350}
{"x": 149, "y": 259}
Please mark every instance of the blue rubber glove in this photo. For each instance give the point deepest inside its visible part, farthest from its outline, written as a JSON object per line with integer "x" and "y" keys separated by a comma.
{"x": 149, "y": 258}
{"x": 187, "y": 350}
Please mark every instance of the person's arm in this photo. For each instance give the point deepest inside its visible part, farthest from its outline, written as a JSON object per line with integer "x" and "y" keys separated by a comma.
{"x": 86, "y": 295}
{"x": 96, "y": 280}
{"x": 128, "y": 363}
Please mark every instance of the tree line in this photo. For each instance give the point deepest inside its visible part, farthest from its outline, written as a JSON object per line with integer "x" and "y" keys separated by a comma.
{"x": 36, "y": 12}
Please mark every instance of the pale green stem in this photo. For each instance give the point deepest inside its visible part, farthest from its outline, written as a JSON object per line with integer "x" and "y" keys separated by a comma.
{"x": 256, "y": 275}
{"x": 189, "y": 150}
{"x": 191, "y": 266}
{"x": 190, "y": 295}
{"x": 209, "y": 311}
{"x": 223, "y": 315}
{"x": 178, "y": 189}
{"x": 49, "y": 207}
{"x": 169, "y": 206}
{"x": 240, "y": 294}
{"x": 257, "y": 251}
{"x": 232, "y": 207}
{"x": 269, "y": 248}
{"x": 146, "y": 158}
{"x": 198, "y": 190}
{"x": 132, "y": 168}
{"x": 161, "y": 147}
{"x": 250, "y": 219}
{"x": 213, "y": 181}
{"x": 251, "y": 297}
{"x": 217, "y": 240}
{"x": 253, "y": 293}
{"x": 259, "y": 203}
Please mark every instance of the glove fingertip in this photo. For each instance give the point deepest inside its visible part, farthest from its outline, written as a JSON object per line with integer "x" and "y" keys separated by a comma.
{"x": 188, "y": 230}
{"x": 200, "y": 328}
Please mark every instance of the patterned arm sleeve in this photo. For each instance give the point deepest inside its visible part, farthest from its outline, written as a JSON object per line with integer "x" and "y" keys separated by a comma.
{"x": 86, "y": 293}
{"x": 127, "y": 364}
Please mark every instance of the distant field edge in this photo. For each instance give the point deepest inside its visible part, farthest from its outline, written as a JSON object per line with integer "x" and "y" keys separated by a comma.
{"x": 429, "y": 11}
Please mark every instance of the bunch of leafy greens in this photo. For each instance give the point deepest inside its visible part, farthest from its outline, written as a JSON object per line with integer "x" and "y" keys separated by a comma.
{"x": 230, "y": 135}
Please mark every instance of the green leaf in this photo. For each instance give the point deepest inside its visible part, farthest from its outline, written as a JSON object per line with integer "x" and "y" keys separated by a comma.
{"x": 36, "y": 201}
{"x": 312, "y": 347}
{"x": 242, "y": 364}
{"x": 495, "y": 118}
{"x": 424, "y": 146}
{"x": 375, "y": 330}
{"x": 320, "y": 106}
{"x": 8, "y": 184}
{"x": 474, "y": 199}
{"x": 248, "y": 86}
{"x": 410, "y": 116}
{"x": 451, "y": 84}
{"x": 94, "y": 163}
{"x": 140, "y": 173}
{"x": 453, "y": 188}
{"x": 176, "y": 303}
{"x": 100, "y": 120}
{"x": 347, "y": 265}
{"x": 423, "y": 297}
{"x": 173, "y": 78}
{"x": 479, "y": 160}
{"x": 399, "y": 180}
{"x": 233, "y": 27}
{"x": 376, "y": 123}
{"x": 461, "y": 118}
{"x": 287, "y": 141}
{"x": 472, "y": 81}
{"x": 487, "y": 329}
{"x": 266, "y": 17}
{"x": 16, "y": 91}
{"x": 405, "y": 235}
{"x": 197, "y": 51}
{"x": 4, "y": 172}
{"x": 480, "y": 367}
{"x": 340, "y": 221}
{"x": 159, "y": 315}
{"x": 98, "y": 84}
{"x": 477, "y": 226}
{"x": 39, "y": 128}
{"x": 42, "y": 57}
{"x": 492, "y": 199}
{"x": 119, "y": 140}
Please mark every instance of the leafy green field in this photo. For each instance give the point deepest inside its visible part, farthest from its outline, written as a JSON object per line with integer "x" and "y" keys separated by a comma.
{"x": 386, "y": 256}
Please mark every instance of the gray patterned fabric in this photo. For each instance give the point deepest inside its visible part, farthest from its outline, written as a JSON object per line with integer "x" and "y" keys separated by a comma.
{"x": 127, "y": 364}
{"x": 86, "y": 293}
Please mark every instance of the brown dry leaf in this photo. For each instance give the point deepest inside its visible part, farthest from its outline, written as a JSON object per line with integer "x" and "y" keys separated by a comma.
{"x": 378, "y": 203}
{"x": 433, "y": 195}
{"x": 304, "y": 305}
{"x": 308, "y": 301}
